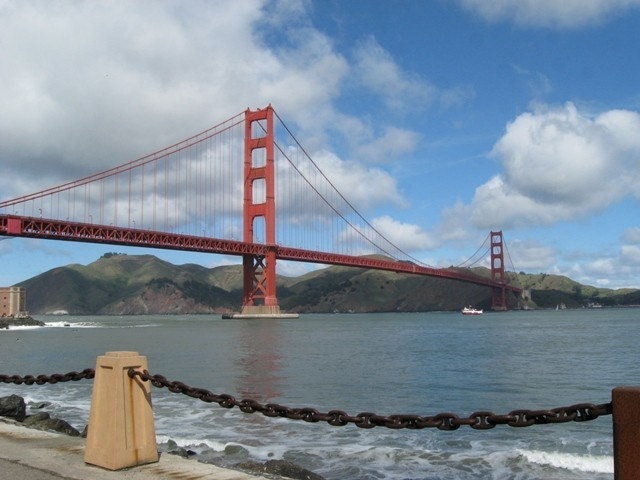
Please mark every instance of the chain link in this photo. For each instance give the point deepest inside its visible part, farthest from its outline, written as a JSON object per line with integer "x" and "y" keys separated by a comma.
{"x": 87, "y": 373}
{"x": 482, "y": 420}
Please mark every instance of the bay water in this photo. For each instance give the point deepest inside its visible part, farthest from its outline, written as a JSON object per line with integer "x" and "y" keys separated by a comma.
{"x": 409, "y": 363}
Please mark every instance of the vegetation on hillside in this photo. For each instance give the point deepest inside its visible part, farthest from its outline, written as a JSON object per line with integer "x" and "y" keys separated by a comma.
{"x": 118, "y": 284}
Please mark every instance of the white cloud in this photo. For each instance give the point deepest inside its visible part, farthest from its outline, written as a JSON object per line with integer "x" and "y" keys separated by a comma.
{"x": 366, "y": 187}
{"x": 389, "y": 146}
{"x": 531, "y": 255}
{"x": 630, "y": 248}
{"x": 378, "y": 72}
{"x": 304, "y": 79}
{"x": 308, "y": 201}
{"x": 549, "y": 13}
{"x": 406, "y": 236}
{"x": 538, "y": 83}
{"x": 631, "y": 235}
{"x": 602, "y": 267}
{"x": 630, "y": 255}
{"x": 559, "y": 164}
{"x": 101, "y": 84}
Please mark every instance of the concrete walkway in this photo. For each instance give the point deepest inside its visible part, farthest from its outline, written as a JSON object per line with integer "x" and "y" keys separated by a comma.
{"x": 31, "y": 454}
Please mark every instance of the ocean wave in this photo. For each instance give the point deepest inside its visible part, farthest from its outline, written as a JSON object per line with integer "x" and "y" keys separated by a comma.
{"x": 73, "y": 325}
{"x": 84, "y": 324}
{"x": 198, "y": 445}
{"x": 20, "y": 327}
{"x": 569, "y": 461}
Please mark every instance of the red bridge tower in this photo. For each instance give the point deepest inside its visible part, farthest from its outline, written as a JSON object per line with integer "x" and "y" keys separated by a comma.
{"x": 259, "y": 213}
{"x": 499, "y": 298}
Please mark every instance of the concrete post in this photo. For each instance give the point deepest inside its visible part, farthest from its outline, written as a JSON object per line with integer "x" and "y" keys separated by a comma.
{"x": 626, "y": 433}
{"x": 121, "y": 431}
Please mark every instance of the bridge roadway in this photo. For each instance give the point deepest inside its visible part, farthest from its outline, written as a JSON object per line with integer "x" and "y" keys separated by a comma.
{"x": 20, "y": 226}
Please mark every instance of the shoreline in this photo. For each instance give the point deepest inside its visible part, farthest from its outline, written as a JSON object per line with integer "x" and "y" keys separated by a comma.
{"x": 28, "y": 321}
{"x": 48, "y": 455}
{"x": 18, "y": 426}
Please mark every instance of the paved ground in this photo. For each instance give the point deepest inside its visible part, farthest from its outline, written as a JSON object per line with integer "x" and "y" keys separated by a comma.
{"x": 30, "y": 454}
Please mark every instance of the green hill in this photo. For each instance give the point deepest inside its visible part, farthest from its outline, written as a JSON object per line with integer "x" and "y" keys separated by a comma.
{"x": 134, "y": 284}
{"x": 117, "y": 284}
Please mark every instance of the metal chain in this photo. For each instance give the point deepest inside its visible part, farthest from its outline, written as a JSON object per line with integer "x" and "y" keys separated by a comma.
{"x": 87, "y": 373}
{"x": 443, "y": 421}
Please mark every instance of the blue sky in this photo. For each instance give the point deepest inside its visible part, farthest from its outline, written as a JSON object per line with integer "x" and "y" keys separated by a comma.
{"x": 519, "y": 115}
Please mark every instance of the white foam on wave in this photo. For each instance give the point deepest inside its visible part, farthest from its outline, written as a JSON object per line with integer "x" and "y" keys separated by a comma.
{"x": 76, "y": 324}
{"x": 201, "y": 445}
{"x": 20, "y": 327}
{"x": 582, "y": 463}
{"x": 141, "y": 325}
{"x": 193, "y": 443}
{"x": 73, "y": 325}
{"x": 60, "y": 324}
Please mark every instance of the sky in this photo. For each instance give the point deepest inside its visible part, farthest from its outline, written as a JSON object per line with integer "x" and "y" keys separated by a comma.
{"x": 477, "y": 115}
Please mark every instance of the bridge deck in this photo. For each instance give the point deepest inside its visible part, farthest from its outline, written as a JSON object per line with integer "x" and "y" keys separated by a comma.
{"x": 17, "y": 226}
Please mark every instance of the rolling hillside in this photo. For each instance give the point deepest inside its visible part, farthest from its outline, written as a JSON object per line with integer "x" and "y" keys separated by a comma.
{"x": 117, "y": 284}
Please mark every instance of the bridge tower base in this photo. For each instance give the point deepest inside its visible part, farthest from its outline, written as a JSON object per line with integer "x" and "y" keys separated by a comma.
{"x": 499, "y": 297}
{"x": 260, "y": 311}
{"x": 259, "y": 298}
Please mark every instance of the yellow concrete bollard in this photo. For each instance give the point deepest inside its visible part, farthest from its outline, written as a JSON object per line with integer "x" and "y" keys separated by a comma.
{"x": 121, "y": 431}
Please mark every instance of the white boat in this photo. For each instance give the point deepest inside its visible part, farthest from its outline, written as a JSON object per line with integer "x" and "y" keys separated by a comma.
{"x": 471, "y": 311}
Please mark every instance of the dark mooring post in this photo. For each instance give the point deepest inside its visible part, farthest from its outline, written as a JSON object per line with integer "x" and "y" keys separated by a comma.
{"x": 626, "y": 433}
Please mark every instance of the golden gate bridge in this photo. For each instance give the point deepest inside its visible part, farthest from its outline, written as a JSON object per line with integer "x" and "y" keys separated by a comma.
{"x": 244, "y": 187}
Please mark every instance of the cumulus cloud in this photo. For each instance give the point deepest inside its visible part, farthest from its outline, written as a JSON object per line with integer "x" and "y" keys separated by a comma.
{"x": 549, "y": 13}
{"x": 601, "y": 267}
{"x": 322, "y": 204}
{"x": 366, "y": 187}
{"x": 406, "y": 236}
{"x": 101, "y": 84}
{"x": 630, "y": 254}
{"x": 559, "y": 164}
{"x": 630, "y": 248}
{"x": 532, "y": 255}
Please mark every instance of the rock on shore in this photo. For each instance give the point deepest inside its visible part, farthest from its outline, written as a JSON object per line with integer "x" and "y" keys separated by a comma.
{"x": 15, "y": 407}
{"x": 282, "y": 468}
{"x": 7, "y": 322}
